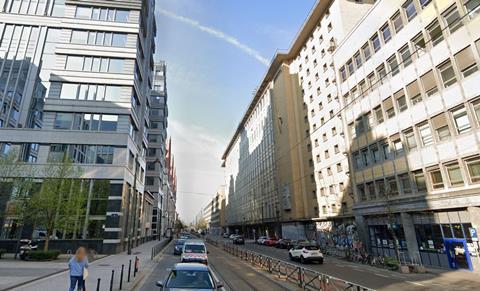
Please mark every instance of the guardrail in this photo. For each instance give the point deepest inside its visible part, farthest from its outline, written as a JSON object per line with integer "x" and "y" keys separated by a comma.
{"x": 305, "y": 278}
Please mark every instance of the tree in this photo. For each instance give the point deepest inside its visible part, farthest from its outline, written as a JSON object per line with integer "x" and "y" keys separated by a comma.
{"x": 60, "y": 200}
{"x": 201, "y": 224}
{"x": 179, "y": 225}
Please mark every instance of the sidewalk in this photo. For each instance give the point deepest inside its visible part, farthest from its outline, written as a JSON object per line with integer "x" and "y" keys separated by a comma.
{"x": 99, "y": 269}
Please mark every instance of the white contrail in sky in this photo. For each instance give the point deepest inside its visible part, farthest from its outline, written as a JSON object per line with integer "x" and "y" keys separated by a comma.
{"x": 219, "y": 34}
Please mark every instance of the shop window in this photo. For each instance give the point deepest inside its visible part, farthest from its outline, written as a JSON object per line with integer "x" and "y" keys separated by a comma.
{"x": 461, "y": 121}
{"x": 454, "y": 174}
{"x": 435, "y": 33}
{"x": 440, "y": 126}
{"x": 429, "y": 237}
{"x": 473, "y": 166}
{"x": 420, "y": 182}
{"x": 452, "y": 18}
{"x": 447, "y": 231}
{"x": 410, "y": 10}
{"x": 397, "y": 22}
{"x": 466, "y": 61}
{"x": 429, "y": 83}
{"x": 436, "y": 178}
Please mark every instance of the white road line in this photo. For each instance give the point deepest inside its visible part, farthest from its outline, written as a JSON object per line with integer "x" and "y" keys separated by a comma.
{"x": 415, "y": 283}
{"x": 381, "y": 275}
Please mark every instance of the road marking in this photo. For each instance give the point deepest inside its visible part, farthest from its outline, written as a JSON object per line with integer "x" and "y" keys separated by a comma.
{"x": 415, "y": 283}
{"x": 381, "y": 275}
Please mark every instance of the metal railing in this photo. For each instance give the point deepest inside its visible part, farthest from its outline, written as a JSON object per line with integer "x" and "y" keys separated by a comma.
{"x": 304, "y": 278}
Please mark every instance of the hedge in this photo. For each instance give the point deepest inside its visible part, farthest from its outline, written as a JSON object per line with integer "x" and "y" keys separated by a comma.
{"x": 43, "y": 256}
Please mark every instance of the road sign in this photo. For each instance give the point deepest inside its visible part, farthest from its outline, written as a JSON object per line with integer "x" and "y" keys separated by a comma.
{"x": 473, "y": 233}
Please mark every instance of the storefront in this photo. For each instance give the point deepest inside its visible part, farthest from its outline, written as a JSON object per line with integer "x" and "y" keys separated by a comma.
{"x": 384, "y": 233}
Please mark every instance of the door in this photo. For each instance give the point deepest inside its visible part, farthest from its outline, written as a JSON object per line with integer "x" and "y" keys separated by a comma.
{"x": 458, "y": 255}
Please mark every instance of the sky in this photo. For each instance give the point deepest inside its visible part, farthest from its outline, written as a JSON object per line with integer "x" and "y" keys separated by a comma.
{"x": 217, "y": 52}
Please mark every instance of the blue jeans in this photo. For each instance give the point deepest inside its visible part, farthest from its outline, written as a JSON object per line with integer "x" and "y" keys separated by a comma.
{"x": 74, "y": 280}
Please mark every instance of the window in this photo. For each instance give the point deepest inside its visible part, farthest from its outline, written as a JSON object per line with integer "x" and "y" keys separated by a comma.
{"x": 358, "y": 60}
{"x": 83, "y": 12}
{"x": 476, "y": 109}
{"x": 397, "y": 144}
{"x": 74, "y": 63}
{"x": 472, "y": 7}
{"x": 436, "y": 177}
{"x": 413, "y": 92}
{"x": 388, "y": 106}
{"x": 393, "y": 65}
{"x": 405, "y": 55}
{"x": 424, "y": 3}
{"x": 452, "y": 18}
{"x": 454, "y": 174}
{"x": 359, "y": 126}
{"x": 409, "y": 8}
{"x": 410, "y": 140}
{"x": 102, "y": 14}
{"x": 63, "y": 120}
{"x": 104, "y": 155}
{"x": 369, "y": 120}
{"x": 397, "y": 22}
{"x": 339, "y": 168}
{"x": 343, "y": 74}
{"x": 420, "y": 181}
{"x": 375, "y": 154}
{"x": 425, "y": 134}
{"x": 109, "y": 123}
{"x": 79, "y": 36}
{"x": 461, "y": 121}
{"x": 366, "y": 51}
{"x": 351, "y": 68}
{"x": 447, "y": 73}
{"x": 381, "y": 72}
{"x": 473, "y": 166}
{"x": 386, "y": 34}
{"x": 69, "y": 91}
{"x": 435, "y": 32}
{"x": 385, "y": 150}
{"x": 440, "y": 126}
{"x": 466, "y": 61}
{"x": 405, "y": 183}
{"x": 381, "y": 189}
{"x": 419, "y": 45}
{"x": 429, "y": 83}
{"x": 392, "y": 186}
{"x": 378, "y": 114}
{"x": 375, "y": 42}
{"x": 119, "y": 40}
{"x": 361, "y": 192}
{"x": 95, "y": 64}
{"x": 401, "y": 100}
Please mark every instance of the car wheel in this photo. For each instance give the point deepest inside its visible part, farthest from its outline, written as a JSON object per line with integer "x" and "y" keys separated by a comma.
{"x": 302, "y": 260}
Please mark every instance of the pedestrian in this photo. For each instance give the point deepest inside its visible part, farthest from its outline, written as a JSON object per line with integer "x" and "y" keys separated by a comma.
{"x": 78, "y": 265}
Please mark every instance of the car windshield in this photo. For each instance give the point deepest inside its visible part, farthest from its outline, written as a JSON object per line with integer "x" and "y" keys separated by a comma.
{"x": 311, "y": 248}
{"x": 190, "y": 279}
{"x": 196, "y": 249}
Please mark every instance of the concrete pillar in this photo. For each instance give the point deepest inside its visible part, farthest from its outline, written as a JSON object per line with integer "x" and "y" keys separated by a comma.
{"x": 410, "y": 237}
{"x": 362, "y": 229}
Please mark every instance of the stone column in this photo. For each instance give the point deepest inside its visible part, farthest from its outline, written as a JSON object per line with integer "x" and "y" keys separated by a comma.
{"x": 410, "y": 237}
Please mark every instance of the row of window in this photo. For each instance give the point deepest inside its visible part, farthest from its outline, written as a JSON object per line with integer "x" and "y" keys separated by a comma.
{"x": 94, "y": 64}
{"x": 82, "y": 154}
{"x": 437, "y": 129}
{"x": 452, "y": 174}
{"x": 99, "y": 38}
{"x": 400, "y": 101}
{"x": 103, "y": 14}
{"x": 85, "y": 121}
{"x": 90, "y": 92}
{"x": 452, "y": 18}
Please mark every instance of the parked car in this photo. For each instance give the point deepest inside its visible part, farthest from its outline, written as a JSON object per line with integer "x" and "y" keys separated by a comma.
{"x": 239, "y": 240}
{"x": 271, "y": 241}
{"x": 194, "y": 251}
{"x": 261, "y": 240}
{"x": 284, "y": 243}
{"x": 178, "y": 246}
{"x": 186, "y": 276}
{"x": 232, "y": 236}
{"x": 306, "y": 253}
{"x": 226, "y": 235}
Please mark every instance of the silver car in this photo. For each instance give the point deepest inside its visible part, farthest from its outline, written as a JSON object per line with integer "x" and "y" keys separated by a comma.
{"x": 187, "y": 276}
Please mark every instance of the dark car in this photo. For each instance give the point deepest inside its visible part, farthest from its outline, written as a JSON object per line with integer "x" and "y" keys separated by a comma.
{"x": 239, "y": 240}
{"x": 186, "y": 276}
{"x": 178, "y": 246}
{"x": 284, "y": 243}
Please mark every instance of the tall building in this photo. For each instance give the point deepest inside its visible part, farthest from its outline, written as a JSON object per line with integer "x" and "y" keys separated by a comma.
{"x": 156, "y": 178}
{"x": 285, "y": 165}
{"x": 408, "y": 81}
{"x": 169, "y": 200}
{"x": 75, "y": 81}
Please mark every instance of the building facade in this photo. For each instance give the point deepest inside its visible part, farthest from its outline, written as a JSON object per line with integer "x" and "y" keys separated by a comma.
{"x": 408, "y": 79}
{"x": 75, "y": 81}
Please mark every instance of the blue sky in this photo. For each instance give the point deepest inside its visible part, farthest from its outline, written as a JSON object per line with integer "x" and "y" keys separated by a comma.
{"x": 210, "y": 80}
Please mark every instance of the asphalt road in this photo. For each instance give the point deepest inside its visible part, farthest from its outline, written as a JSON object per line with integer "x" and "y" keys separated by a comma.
{"x": 377, "y": 278}
{"x": 234, "y": 273}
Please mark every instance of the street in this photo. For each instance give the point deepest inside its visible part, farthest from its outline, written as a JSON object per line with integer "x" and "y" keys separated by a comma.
{"x": 232, "y": 272}
{"x": 376, "y": 278}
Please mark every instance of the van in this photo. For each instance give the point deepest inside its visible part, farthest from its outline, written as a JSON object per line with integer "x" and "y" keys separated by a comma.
{"x": 194, "y": 251}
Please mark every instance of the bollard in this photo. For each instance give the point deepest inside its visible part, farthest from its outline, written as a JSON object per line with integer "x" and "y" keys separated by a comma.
{"x": 98, "y": 284}
{"x": 121, "y": 278}
{"x": 111, "y": 280}
{"x": 129, "y": 269}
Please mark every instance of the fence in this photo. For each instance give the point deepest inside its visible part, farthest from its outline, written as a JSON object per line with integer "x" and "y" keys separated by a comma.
{"x": 305, "y": 278}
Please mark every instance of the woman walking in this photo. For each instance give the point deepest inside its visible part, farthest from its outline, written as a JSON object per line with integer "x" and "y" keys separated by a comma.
{"x": 77, "y": 266}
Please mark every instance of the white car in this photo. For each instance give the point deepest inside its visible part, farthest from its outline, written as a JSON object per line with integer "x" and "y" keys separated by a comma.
{"x": 306, "y": 253}
{"x": 261, "y": 240}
